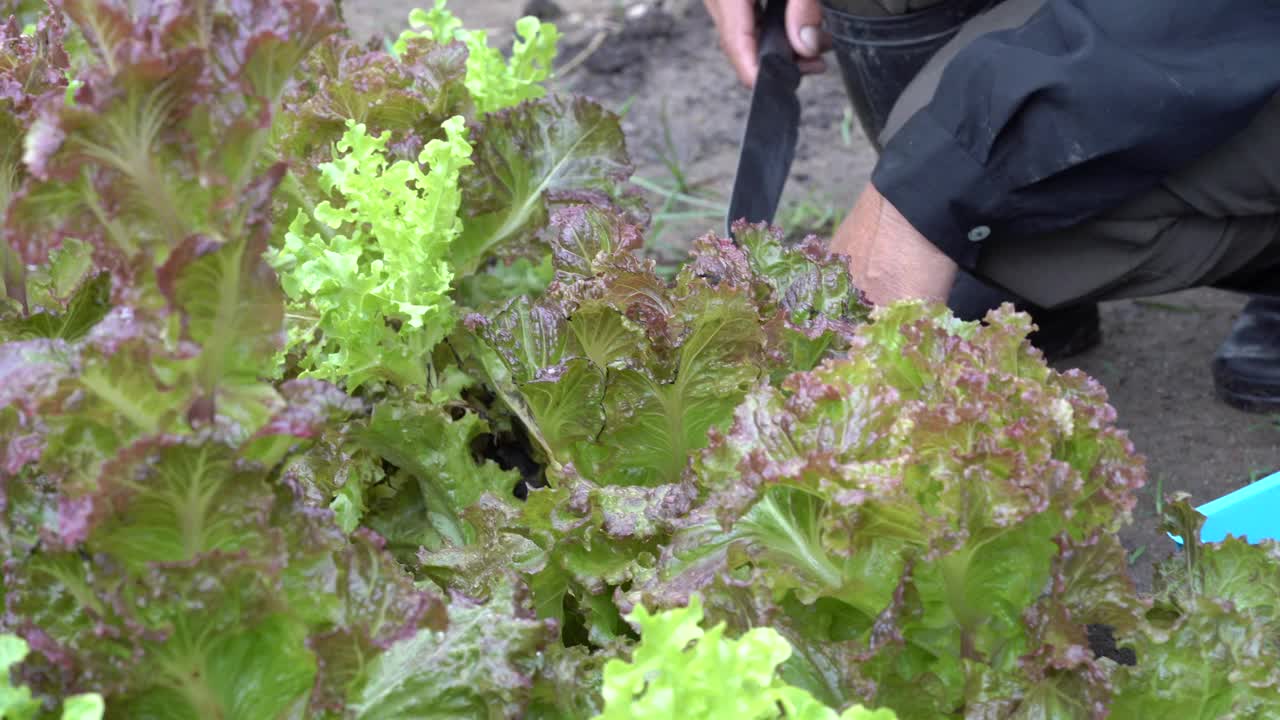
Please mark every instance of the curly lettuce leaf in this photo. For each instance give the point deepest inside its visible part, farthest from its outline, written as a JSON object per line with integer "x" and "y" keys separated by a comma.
{"x": 623, "y": 374}
{"x": 34, "y": 62}
{"x": 653, "y": 423}
{"x": 373, "y": 605}
{"x": 817, "y": 309}
{"x": 562, "y": 391}
{"x": 529, "y": 159}
{"x": 83, "y": 310}
{"x": 170, "y": 501}
{"x": 680, "y": 669}
{"x": 310, "y": 408}
{"x": 17, "y": 703}
{"x": 493, "y": 83}
{"x": 436, "y": 451}
{"x": 172, "y": 641}
{"x": 152, "y": 195}
{"x": 568, "y": 683}
{"x": 376, "y": 292}
{"x": 192, "y": 356}
{"x": 597, "y": 538}
{"x": 1245, "y": 574}
{"x": 483, "y": 665}
{"x": 99, "y": 403}
{"x": 1060, "y": 677}
{"x": 495, "y": 549}
{"x": 409, "y": 96}
{"x": 1213, "y": 661}
{"x": 230, "y": 304}
{"x": 924, "y": 482}
{"x": 437, "y": 24}
{"x": 168, "y": 129}
{"x": 62, "y": 299}
{"x": 190, "y": 564}
{"x": 85, "y": 706}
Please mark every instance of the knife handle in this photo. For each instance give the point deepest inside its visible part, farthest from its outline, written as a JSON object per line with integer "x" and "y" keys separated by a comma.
{"x": 773, "y": 31}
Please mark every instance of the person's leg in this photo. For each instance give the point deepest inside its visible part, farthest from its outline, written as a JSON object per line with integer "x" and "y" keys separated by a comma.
{"x": 891, "y": 53}
{"x": 1216, "y": 224}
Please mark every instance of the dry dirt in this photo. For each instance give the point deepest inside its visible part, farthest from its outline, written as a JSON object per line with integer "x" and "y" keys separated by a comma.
{"x": 687, "y": 112}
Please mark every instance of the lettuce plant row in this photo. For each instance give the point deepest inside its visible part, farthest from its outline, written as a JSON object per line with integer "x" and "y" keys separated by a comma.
{"x": 336, "y": 382}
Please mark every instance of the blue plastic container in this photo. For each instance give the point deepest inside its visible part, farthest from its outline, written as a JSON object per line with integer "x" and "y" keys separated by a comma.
{"x": 1252, "y": 512}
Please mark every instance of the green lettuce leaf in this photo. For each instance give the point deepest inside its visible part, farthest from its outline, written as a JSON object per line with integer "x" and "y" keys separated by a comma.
{"x": 230, "y": 305}
{"x": 597, "y": 538}
{"x": 680, "y": 669}
{"x": 1245, "y": 574}
{"x": 64, "y": 299}
{"x": 376, "y": 292}
{"x": 528, "y": 159}
{"x": 568, "y": 683}
{"x": 502, "y": 281}
{"x": 86, "y": 706}
{"x": 436, "y": 451}
{"x": 493, "y": 83}
{"x": 1211, "y": 662}
{"x": 482, "y": 666}
{"x": 15, "y": 702}
{"x": 371, "y": 605}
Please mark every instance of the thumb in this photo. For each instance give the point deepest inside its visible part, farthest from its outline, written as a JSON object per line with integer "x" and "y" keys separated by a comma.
{"x": 804, "y": 28}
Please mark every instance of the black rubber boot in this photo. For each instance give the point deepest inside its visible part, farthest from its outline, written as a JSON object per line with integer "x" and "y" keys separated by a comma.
{"x": 878, "y": 57}
{"x": 1246, "y": 368}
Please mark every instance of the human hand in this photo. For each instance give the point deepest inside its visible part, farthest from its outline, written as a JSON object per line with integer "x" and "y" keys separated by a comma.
{"x": 736, "y": 24}
{"x": 888, "y": 258}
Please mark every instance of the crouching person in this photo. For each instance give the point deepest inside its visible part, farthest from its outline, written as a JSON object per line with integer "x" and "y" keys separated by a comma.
{"x": 1059, "y": 153}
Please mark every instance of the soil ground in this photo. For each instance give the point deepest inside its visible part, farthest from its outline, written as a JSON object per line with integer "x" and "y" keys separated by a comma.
{"x": 684, "y": 122}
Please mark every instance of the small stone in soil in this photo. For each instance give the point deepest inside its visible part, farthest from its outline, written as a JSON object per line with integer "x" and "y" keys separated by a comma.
{"x": 614, "y": 57}
{"x": 651, "y": 24}
{"x": 628, "y": 49}
{"x": 542, "y": 9}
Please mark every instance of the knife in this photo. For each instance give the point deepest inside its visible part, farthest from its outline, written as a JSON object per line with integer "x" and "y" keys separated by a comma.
{"x": 773, "y": 125}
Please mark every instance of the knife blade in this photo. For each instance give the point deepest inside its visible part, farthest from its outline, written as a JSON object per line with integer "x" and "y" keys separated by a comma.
{"x": 773, "y": 125}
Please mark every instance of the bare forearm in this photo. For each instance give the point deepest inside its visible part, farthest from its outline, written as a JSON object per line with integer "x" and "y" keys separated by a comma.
{"x": 888, "y": 258}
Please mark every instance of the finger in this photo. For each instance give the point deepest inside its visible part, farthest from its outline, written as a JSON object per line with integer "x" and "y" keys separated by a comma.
{"x": 738, "y": 38}
{"x": 804, "y": 28}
